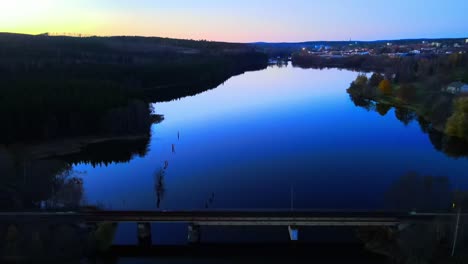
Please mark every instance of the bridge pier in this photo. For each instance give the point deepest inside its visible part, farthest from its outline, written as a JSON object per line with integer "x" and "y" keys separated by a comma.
{"x": 293, "y": 233}
{"x": 193, "y": 235}
{"x": 403, "y": 226}
{"x": 144, "y": 234}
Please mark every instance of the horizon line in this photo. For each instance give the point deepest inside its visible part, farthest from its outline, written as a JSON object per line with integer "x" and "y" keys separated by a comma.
{"x": 83, "y": 35}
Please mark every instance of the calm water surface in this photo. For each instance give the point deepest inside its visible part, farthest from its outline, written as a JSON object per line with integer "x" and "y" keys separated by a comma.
{"x": 272, "y": 139}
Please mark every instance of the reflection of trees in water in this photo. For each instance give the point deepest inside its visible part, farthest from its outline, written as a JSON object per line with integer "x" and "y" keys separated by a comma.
{"x": 108, "y": 152}
{"x": 382, "y": 109}
{"x": 68, "y": 190}
{"x": 421, "y": 242}
{"x": 417, "y": 243}
{"x": 405, "y": 115}
{"x": 51, "y": 123}
{"x": 451, "y": 146}
{"x": 26, "y": 184}
{"x": 425, "y": 125}
{"x": 361, "y": 101}
{"x": 29, "y": 173}
{"x": 419, "y": 193}
{"x": 159, "y": 186}
{"x": 70, "y": 241}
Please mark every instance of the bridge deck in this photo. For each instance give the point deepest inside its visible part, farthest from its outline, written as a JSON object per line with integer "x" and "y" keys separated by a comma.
{"x": 229, "y": 218}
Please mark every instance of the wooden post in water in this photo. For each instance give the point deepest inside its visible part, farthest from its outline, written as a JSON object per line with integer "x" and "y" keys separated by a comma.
{"x": 144, "y": 234}
{"x": 193, "y": 233}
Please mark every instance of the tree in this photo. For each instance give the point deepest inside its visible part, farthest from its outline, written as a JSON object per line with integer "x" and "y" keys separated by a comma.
{"x": 375, "y": 79}
{"x": 361, "y": 80}
{"x": 404, "y": 115}
{"x": 457, "y": 124}
{"x": 385, "y": 87}
{"x": 407, "y": 92}
{"x": 382, "y": 109}
{"x": 360, "y": 101}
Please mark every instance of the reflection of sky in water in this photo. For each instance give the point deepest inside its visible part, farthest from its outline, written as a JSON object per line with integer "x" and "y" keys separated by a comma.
{"x": 251, "y": 139}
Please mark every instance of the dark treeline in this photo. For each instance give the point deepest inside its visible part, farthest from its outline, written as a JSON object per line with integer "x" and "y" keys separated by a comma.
{"x": 439, "y": 69}
{"x": 56, "y": 87}
{"x": 133, "y": 63}
{"x": 53, "y": 122}
{"x": 22, "y": 53}
{"x": 356, "y": 62}
{"x": 108, "y": 152}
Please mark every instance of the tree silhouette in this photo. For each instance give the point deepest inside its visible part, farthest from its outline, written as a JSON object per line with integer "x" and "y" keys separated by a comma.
{"x": 382, "y": 109}
{"x": 375, "y": 79}
{"x": 404, "y": 115}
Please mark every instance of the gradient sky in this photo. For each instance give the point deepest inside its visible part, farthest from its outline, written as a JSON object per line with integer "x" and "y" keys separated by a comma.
{"x": 241, "y": 20}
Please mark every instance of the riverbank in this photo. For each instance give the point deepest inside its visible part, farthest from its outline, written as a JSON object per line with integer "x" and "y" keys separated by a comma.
{"x": 433, "y": 106}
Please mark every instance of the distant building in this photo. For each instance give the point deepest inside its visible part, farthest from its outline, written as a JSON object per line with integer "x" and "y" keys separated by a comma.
{"x": 457, "y": 87}
{"x": 466, "y": 41}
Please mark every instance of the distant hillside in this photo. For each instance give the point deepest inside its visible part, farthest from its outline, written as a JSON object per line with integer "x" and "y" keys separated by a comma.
{"x": 34, "y": 50}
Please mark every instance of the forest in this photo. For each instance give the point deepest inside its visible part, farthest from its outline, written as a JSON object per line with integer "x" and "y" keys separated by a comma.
{"x": 58, "y": 86}
{"x": 416, "y": 87}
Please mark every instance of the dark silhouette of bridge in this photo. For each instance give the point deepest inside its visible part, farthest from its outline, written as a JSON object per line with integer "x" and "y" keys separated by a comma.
{"x": 291, "y": 219}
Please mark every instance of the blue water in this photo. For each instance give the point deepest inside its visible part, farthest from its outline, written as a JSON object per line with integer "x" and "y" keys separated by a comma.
{"x": 277, "y": 138}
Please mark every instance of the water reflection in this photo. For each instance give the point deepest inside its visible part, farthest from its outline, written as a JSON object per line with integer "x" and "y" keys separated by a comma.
{"x": 40, "y": 175}
{"x": 37, "y": 183}
{"x": 159, "y": 186}
{"x": 441, "y": 240}
{"x": 451, "y": 146}
{"x": 302, "y": 130}
{"x": 71, "y": 241}
{"x": 413, "y": 192}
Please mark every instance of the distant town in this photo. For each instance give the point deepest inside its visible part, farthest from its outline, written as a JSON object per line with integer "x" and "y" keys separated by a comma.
{"x": 392, "y": 49}
{"x": 395, "y": 48}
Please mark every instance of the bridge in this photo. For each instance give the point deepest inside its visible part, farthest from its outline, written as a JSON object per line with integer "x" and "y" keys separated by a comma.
{"x": 194, "y": 219}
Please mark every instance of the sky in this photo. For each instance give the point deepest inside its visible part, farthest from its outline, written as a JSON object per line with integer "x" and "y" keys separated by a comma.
{"x": 240, "y": 20}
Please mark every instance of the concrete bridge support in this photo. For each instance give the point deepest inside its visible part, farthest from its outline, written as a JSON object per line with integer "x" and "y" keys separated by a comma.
{"x": 144, "y": 234}
{"x": 193, "y": 235}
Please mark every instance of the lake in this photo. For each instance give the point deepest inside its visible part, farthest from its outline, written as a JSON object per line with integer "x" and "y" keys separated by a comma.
{"x": 281, "y": 138}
